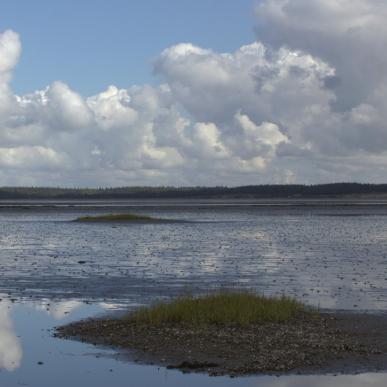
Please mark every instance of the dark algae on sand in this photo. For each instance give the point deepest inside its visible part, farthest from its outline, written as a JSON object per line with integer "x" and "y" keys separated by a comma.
{"x": 239, "y": 334}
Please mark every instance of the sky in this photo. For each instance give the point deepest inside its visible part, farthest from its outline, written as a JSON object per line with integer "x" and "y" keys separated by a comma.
{"x": 151, "y": 92}
{"x": 93, "y": 44}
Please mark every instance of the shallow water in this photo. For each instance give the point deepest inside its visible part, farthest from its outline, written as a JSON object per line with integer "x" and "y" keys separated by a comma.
{"x": 30, "y": 356}
{"x": 329, "y": 256}
{"x": 332, "y": 257}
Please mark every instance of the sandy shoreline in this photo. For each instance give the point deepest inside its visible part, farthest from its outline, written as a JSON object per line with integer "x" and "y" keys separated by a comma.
{"x": 334, "y": 343}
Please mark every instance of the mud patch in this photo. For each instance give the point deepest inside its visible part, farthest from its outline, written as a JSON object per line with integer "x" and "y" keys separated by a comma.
{"x": 345, "y": 343}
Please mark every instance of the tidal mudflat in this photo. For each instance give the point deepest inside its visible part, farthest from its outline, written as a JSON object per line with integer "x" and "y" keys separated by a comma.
{"x": 331, "y": 257}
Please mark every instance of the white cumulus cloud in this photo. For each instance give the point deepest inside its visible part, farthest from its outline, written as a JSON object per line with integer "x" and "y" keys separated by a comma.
{"x": 306, "y": 102}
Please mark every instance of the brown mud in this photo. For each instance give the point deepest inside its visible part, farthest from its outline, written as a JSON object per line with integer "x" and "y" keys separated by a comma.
{"x": 308, "y": 344}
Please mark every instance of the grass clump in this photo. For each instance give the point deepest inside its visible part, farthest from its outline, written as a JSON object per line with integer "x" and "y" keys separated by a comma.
{"x": 221, "y": 308}
{"x": 117, "y": 218}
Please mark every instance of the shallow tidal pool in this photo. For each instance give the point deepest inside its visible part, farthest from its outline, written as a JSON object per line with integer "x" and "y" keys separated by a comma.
{"x": 31, "y": 356}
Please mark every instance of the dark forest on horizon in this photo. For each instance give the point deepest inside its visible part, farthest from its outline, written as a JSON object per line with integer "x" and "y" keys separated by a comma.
{"x": 220, "y": 192}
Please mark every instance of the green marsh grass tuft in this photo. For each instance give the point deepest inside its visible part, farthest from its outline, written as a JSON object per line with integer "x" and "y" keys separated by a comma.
{"x": 221, "y": 308}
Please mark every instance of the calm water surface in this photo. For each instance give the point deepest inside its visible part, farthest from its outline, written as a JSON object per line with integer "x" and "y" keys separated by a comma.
{"x": 54, "y": 271}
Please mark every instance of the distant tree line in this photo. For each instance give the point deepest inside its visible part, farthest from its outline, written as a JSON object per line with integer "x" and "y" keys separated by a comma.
{"x": 251, "y": 191}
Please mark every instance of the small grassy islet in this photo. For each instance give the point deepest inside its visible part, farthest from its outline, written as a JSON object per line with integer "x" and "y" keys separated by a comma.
{"x": 239, "y": 333}
{"x": 117, "y": 218}
{"x": 241, "y": 308}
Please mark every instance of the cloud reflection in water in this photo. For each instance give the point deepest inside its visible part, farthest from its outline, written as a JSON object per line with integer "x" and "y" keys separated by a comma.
{"x": 11, "y": 352}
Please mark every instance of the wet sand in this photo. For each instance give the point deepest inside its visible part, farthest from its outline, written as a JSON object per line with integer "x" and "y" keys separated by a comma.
{"x": 331, "y": 343}
{"x": 333, "y": 262}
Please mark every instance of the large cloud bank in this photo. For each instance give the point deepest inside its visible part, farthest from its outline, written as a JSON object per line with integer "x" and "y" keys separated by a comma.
{"x": 306, "y": 102}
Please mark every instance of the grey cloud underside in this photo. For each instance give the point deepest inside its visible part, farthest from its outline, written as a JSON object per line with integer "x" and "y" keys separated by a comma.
{"x": 305, "y": 103}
